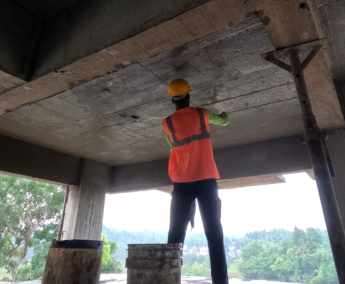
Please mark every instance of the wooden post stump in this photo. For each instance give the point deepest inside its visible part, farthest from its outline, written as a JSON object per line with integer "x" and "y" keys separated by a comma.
{"x": 73, "y": 261}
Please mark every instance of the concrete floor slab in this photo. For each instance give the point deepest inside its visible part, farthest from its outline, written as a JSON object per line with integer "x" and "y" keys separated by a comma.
{"x": 116, "y": 119}
{"x": 122, "y": 279}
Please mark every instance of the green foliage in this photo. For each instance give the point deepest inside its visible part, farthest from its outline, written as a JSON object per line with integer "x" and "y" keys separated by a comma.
{"x": 25, "y": 207}
{"x": 301, "y": 257}
{"x": 189, "y": 259}
{"x": 197, "y": 269}
{"x": 38, "y": 260}
{"x": 24, "y": 273}
{"x": 106, "y": 254}
{"x": 196, "y": 265}
{"x": 275, "y": 236}
{"x": 109, "y": 264}
{"x": 112, "y": 266}
{"x": 123, "y": 238}
{"x": 257, "y": 260}
{"x": 4, "y": 274}
{"x": 35, "y": 268}
{"x": 234, "y": 268}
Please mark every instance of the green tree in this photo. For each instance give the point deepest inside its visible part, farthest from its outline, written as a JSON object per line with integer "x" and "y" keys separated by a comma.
{"x": 41, "y": 243}
{"x": 196, "y": 269}
{"x": 25, "y": 206}
{"x": 109, "y": 264}
{"x": 302, "y": 256}
{"x": 257, "y": 260}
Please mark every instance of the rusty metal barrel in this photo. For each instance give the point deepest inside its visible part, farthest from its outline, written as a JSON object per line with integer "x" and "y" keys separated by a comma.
{"x": 73, "y": 261}
{"x": 154, "y": 263}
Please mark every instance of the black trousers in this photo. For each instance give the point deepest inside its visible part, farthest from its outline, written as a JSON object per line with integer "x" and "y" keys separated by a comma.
{"x": 181, "y": 211}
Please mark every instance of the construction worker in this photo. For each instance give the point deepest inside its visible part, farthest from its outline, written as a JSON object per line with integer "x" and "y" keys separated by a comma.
{"x": 193, "y": 170}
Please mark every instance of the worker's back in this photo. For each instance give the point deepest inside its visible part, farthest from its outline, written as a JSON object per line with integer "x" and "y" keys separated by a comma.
{"x": 191, "y": 158}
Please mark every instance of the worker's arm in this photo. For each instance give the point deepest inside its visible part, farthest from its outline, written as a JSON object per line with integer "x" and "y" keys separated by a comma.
{"x": 168, "y": 139}
{"x": 222, "y": 119}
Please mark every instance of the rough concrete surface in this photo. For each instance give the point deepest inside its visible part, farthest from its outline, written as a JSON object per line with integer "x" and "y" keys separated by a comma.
{"x": 44, "y": 9}
{"x": 75, "y": 33}
{"x": 8, "y": 82}
{"x": 116, "y": 119}
{"x": 284, "y": 26}
{"x": 278, "y": 156}
{"x": 94, "y": 184}
{"x": 17, "y": 26}
{"x": 122, "y": 279}
{"x": 332, "y": 19}
{"x": 28, "y": 160}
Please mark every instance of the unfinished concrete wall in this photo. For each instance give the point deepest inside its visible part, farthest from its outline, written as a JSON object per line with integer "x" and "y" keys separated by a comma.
{"x": 17, "y": 27}
{"x": 28, "y": 160}
{"x": 91, "y": 26}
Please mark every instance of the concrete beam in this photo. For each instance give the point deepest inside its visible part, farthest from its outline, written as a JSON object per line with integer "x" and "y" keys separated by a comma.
{"x": 91, "y": 26}
{"x": 9, "y": 82}
{"x": 35, "y": 162}
{"x": 270, "y": 157}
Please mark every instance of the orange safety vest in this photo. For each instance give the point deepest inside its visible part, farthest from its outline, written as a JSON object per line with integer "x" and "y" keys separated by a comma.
{"x": 191, "y": 158}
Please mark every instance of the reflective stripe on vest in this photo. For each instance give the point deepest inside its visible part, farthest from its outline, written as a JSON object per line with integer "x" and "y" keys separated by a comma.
{"x": 203, "y": 135}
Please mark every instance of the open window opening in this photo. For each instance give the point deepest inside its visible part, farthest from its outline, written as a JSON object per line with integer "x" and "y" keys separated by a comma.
{"x": 274, "y": 232}
{"x": 30, "y": 215}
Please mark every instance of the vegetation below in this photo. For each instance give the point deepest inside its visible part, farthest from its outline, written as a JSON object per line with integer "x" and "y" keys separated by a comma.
{"x": 298, "y": 256}
{"x": 30, "y": 213}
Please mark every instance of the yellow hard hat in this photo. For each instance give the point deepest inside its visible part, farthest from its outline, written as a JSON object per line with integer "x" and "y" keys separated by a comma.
{"x": 178, "y": 87}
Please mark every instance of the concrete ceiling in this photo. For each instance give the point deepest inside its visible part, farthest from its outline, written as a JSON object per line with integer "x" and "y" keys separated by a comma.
{"x": 95, "y": 87}
{"x": 116, "y": 118}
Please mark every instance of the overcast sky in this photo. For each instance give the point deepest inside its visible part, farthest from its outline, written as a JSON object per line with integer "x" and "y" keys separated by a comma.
{"x": 294, "y": 203}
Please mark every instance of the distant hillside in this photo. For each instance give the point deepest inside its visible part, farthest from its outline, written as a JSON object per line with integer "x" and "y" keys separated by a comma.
{"x": 123, "y": 238}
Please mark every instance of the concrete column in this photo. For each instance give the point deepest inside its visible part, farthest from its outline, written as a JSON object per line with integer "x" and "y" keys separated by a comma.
{"x": 85, "y": 206}
{"x": 336, "y": 148}
{"x": 71, "y": 213}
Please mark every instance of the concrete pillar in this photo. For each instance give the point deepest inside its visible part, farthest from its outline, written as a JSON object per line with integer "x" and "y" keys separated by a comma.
{"x": 85, "y": 206}
{"x": 336, "y": 149}
{"x": 71, "y": 213}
